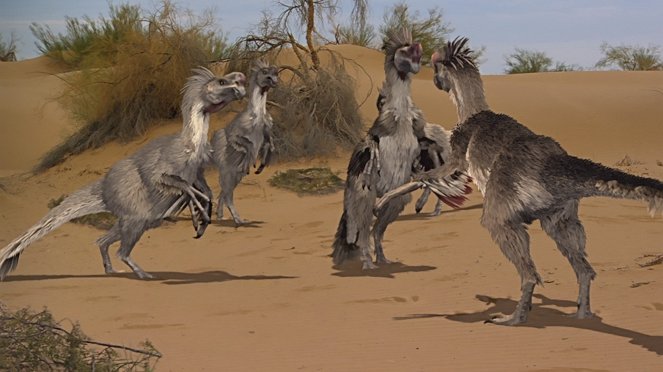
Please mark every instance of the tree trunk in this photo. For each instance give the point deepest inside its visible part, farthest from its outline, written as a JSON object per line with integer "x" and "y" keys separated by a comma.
{"x": 310, "y": 28}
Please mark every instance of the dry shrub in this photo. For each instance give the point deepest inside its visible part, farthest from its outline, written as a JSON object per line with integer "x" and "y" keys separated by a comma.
{"x": 34, "y": 341}
{"x": 308, "y": 181}
{"x": 130, "y": 80}
{"x": 316, "y": 114}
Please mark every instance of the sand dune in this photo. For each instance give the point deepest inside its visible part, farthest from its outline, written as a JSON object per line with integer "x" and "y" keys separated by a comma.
{"x": 264, "y": 297}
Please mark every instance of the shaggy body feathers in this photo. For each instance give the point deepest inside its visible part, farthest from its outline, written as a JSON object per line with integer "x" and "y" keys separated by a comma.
{"x": 248, "y": 137}
{"x": 383, "y": 160}
{"x": 141, "y": 189}
{"x": 526, "y": 177}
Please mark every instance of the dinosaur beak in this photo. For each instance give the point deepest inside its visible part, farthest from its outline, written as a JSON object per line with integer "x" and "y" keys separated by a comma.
{"x": 415, "y": 55}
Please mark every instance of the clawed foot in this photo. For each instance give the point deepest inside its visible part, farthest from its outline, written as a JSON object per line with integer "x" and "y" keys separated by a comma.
{"x": 368, "y": 265}
{"x": 143, "y": 275}
{"x": 582, "y": 314}
{"x": 382, "y": 260}
{"x": 508, "y": 320}
{"x": 239, "y": 222}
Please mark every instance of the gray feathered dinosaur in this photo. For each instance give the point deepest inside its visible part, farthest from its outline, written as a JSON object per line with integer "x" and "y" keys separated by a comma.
{"x": 385, "y": 159}
{"x": 434, "y": 148}
{"x": 524, "y": 177}
{"x": 247, "y": 138}
{"x": 142, "y": 189}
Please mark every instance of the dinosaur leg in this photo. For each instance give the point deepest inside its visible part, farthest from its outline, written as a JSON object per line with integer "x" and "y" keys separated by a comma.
{"x": 422, "y": 200}
{"x": 567, "y": 231}
{"x": 228, "y": 200}
{"x": 513, "y": 240}
{"x": 131, "y": 231}
{"x": 438, "y": 208}
{"x": 386, "y": 216}
{"x": 104, "y": 243}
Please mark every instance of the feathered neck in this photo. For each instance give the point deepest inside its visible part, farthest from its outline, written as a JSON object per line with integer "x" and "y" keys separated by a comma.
{"x": 257, "y": 104}
{"x": 467, "y": 93}
{"x": 396, "y": 91}
{"x": 196, "y": 127}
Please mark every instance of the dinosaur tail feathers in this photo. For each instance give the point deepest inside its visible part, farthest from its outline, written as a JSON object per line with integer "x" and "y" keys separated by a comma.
{"x": 87, "y": 200}
{"x": 593, "y": 179}
{"x": 342, "y": 248}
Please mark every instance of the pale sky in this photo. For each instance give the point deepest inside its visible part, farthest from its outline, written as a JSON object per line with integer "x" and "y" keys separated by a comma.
{"x": 569, "y": 31}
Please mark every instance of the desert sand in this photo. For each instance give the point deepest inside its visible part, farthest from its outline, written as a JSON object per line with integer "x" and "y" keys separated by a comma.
{"x": 265, "y": 296}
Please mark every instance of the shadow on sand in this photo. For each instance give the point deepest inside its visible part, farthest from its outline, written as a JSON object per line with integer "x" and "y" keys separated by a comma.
{"x": 166, "y": 277}
{"x": 352, "y": 268}
{"x": 215, "y": 222}
{"x": 543, "y": 317}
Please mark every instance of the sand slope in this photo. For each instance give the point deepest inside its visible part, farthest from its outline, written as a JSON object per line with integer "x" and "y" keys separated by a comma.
{"x": 264, "y": 297}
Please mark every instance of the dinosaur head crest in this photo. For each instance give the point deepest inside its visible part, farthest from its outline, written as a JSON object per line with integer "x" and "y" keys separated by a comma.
{"x": 264, "y": 75}
{"x": 402, "y": 53}
{"x": 212, "y": 92}
{"x": 455, "y": 57}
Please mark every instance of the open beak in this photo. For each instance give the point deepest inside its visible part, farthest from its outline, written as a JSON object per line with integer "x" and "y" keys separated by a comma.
{"x": 415, "y": 51}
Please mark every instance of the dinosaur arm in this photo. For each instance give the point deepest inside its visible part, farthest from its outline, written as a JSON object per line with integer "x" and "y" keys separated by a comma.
{"x": 266, "y": 150}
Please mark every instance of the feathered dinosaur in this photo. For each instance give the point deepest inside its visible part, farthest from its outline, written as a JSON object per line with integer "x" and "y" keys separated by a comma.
{"x": 147, "y": 186}
{"x": 247, "y": 138}
{"x": 433, "y": 149}
{"x": 524, "y": 177}
{"x": 384, "y": 159}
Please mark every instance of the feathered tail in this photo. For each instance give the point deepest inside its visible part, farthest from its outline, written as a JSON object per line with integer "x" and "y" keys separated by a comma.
{"x": 593, "y": 179}
{"x": 342, "y": 248}
{"x": 87, "y": 200}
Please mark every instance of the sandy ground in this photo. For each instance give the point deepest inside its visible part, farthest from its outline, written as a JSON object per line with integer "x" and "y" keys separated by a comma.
{"x": 265, "y": 297}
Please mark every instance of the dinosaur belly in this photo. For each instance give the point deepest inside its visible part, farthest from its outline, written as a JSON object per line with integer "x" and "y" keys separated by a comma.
{"x": 397, "y": 153}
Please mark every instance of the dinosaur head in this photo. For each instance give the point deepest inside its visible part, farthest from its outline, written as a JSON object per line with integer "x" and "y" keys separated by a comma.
{"x": 402, "y": 53}
{"x": 455, "y": 57}
{"x": 218, "y": 92}
{"x": 265, "y": 76}
{"x": 407, "y": 59}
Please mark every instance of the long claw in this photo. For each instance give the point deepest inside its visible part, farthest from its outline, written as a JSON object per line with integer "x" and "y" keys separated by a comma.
{"x": 176, "y": 206}
{"x": 401, "y": 190}
{"x": 199, "y": 193}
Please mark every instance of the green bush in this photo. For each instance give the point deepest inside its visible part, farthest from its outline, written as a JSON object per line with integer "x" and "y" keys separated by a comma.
{"x": 8, "y": 49}
{"x": 132, "y": 67}
{"x": 631, "y": 58}
{"x": 527, "y": 61}
{"x": 431, "y": 31}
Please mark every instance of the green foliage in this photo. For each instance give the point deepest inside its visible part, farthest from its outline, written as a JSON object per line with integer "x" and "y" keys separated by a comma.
{"x": 631, "y": 58}
{"x": 101, "y": 221}
{"x": 358, "y": 31}
{"x": 34, "y": 341}
{"x": 431, "y": 31}
{"x": 526, "y": 61}
{"x": 132, "y": 67}
{"x": 362, "y": 35}
{"x": 307, "y": 181}
{"x": 8, "y": 49}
